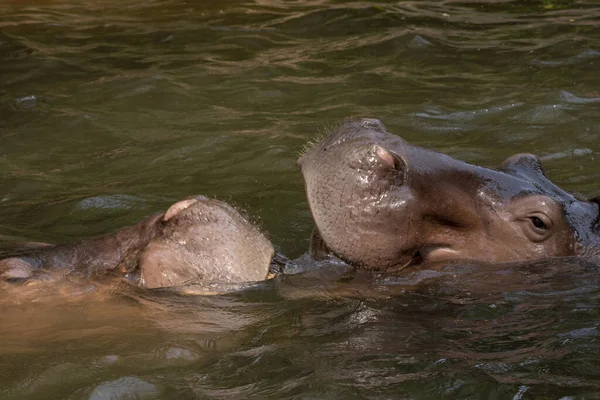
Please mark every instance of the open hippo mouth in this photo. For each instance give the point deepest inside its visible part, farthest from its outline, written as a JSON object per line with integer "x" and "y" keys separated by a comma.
{"x": 424, "y": 255}
{"x": 381, "y": 203}
{"x": 416, "y": 259}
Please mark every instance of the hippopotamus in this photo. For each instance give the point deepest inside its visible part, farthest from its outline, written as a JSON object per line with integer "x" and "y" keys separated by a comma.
{"x": 383, "y": 204}
{"x": 196, "y": 240}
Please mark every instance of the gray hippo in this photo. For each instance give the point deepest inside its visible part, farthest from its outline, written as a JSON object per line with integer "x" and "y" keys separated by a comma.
{"x": 196, "y": 240}
{"x": 383, "y": 204}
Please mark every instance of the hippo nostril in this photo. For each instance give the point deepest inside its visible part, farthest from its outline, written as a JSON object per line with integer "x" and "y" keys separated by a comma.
{"x": 385, "y": 156}
{"x": 180, "y": 206}
{"x": 389, "y": 159}
{"x": 372, "y": 123}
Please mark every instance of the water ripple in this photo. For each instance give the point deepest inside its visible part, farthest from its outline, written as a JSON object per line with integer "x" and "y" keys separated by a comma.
{"x": 111, "y": 110}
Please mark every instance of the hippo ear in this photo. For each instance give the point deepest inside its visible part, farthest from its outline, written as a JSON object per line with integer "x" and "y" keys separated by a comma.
{"x": 524, "y": 165}
{"x": 317, "y": 249}
{"x": 596, "y": 222}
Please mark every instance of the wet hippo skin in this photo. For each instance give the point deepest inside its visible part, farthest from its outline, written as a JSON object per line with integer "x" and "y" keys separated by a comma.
{"x": 383, "y": 204}
{"x": 196, "y": 240}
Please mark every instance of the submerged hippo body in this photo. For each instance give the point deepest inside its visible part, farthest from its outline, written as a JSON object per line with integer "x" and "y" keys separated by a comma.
{"x": 197, "y": 240}
{"x": 383, "y": 204}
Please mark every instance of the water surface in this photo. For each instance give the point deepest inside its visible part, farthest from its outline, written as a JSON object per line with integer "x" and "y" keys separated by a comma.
{"x": 112, "y": 110}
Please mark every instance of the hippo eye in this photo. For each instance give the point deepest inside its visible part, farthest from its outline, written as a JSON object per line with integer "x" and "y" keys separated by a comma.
{"x": 540, "y": 226}
{"x": 538, "y": 216}
{"x": 538, "y": 223}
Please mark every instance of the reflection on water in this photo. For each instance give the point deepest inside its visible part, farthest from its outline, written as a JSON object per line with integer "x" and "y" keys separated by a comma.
{"x": 450, "y": 331}
{"x": 110, "y": 111}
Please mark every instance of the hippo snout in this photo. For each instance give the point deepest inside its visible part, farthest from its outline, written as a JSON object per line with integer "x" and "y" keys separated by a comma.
{"x": 357, "y": 133}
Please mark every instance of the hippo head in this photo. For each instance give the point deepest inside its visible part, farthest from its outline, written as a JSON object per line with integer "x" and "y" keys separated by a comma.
{"x": 383, "y": 204}
{"x": 198, "y": 240}
{"x": 204, "y": 240}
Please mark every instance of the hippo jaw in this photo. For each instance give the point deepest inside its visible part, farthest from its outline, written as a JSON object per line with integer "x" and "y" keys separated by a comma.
{"x": 383, "y": 204}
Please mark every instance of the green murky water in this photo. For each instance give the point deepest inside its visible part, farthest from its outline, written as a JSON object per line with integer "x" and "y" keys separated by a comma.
{"x": 112, "y": 110}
